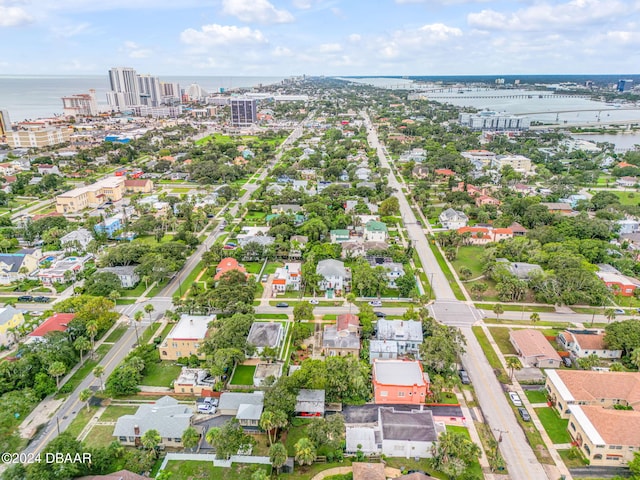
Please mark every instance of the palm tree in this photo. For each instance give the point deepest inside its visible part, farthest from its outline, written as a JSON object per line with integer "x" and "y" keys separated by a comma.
{"x": 98, "y": 371}
{"x": 146, "y": 279}
{"x": 137, "y": 318}
{"x": 150, "y": 441}
{"x": 498, "y": 309}
{"x": 57, "y": 369}
{"x": 114, "y": 295}
{"x": 534, "y": 317}
{"x": 148, "y": 308}
{"x": 92, "y": 330}
{"x": 610, "y": 314}
{"x": 635, "y": 357}
{"x": 85, "y": 395}
{"x": 514, "y": 364}
{"x": 351, "y": 298}
{"x": 305, "y": 451}
{"x": 82, "y": 344}
{"x": 271, "y": 421}
{"x": 190, "y": 438}
{"x": 277, "y": 456}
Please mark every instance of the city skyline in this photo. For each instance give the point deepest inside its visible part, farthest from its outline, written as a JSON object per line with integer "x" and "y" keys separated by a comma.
{"x": 320, "y": 37}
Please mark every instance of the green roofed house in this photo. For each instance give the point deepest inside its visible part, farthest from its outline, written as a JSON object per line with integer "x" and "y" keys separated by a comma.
{"x": 339, "y": 236}
{"x": 375, "y": 231}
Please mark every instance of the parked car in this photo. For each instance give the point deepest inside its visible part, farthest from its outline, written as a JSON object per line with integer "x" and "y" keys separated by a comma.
{"x": 464, "y": 377}
{"x": 41, "y": 299}
{"x": 206, "y": 408}
{"x": 282, "y": 305}
{"x": 567, "y": 362}
{"x": 313, "y": 301}
{"x": 375, "y": 303}
{"x": 380, "y": 314}
{"x": 619, "y": 311}
{"x": 25, "y": 298}
{"x": 524, "y": 414}
{"x": 264, "y": 278}
{"x": 515, "y": 399}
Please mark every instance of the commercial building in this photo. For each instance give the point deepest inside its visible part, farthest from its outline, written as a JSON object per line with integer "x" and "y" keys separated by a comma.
{"x": 5, "y": 123}
{"x": 399, "y": 382}
{"x": 150, "y": 91}
{"x": 185, "y": 337}
{"x": 38, "y": 135}
{"x": 519, "y": 163}
{"x": 624, "y": 85}
{"x": 243, "y": 112}
{"x": 91, "y": 196}
{"x": 80, "y": 105}
{"x": 488, "y": 120}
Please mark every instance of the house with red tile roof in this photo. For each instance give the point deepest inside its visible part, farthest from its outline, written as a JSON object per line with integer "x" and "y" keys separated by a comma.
{"x": 56, "y": 323}
{"x": 607, "y": 436}
{"x": 444, "y": 172}
{"x": 582, "y": 343}
{"x": 226, "y": 265}
{"x": 484, "y": 235}
{"x": 486, "y": 200}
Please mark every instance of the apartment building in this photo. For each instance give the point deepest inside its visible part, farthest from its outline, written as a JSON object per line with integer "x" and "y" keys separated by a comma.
{"x": 76, "y": 200}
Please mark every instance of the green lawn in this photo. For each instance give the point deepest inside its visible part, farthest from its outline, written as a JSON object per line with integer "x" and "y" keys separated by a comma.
{"x": 627, "y": 198}
{"x": 189, "y": 279}
{"x": 113, "y": 412}
{"x": 125, "y": 301}
{"x": 273, "y": 316}
{"x": 116, "y": 334}
{"x": 135, "y": 292}
{"x": 555, "y": 426}
{"x": 166, "y": 330}
{"x": 491, "y": 355}
{"x": 80, "y": 421}
{"x": 253, "y": 267}
{"x": 271, "y": 267}
{"x": 572, "y": 458}
{"x": 445, "y": 269}
{"x": 470, "y": 257}
{"x": 100, "y": 436}
{"x": 474, "y": 468}
{"x": 517, "y": 308}
{"x": 190, "y": 470}
{"x": 294, "y": 434}
{"x": 501, "y": 337}
{"x": 536, "y": 396}
{"x": 160, "y": 374}
{"x": 243, "y": 375}
{"x": 330, "y": 316}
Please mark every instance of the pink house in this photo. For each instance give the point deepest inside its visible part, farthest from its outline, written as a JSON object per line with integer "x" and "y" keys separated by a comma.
{"x": 399, "y": 382}
{"x": 486, "y": 200}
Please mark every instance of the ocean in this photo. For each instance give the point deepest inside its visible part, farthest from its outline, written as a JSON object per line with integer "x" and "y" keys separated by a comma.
{"x": 30, "y": 97}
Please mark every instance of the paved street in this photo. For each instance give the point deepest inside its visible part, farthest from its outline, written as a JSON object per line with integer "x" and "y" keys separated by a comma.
{"x": 520, "y": 459}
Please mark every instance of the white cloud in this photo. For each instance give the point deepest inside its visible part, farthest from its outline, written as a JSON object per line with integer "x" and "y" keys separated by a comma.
{"x": 133, "y": 50}
{"x": 330, "y": 48}
{"x": 303, "y": 4}
{"x": 256, "y": 11}
{"x": 13, "y": 17}
{"x": 69, "y": 31}
{"x": 282, "y": 52}
{"x": 546, "y": 16}
{"x": 216, "y": 35}
{"x": 355, "y": 38}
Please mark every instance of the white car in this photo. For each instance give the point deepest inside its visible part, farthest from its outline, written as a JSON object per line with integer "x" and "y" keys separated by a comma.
{"x": 515, "y": 399}
{"x": 375, "y": 303}
{"x": 314, "y": 301}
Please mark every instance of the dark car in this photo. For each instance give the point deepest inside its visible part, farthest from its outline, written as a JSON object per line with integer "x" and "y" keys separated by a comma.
{"x": 380, "y": 314}
{"x": 282, "y": 305}
{"x": 464, "y": 377}
{"x": 41, "y": 299}
{"x": 567, "y": 362}
{"x": 524, "y": 414}
{"x": 25, "y": 298}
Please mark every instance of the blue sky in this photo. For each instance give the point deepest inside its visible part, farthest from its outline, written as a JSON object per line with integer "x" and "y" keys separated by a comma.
{"x": 320, "y": 37}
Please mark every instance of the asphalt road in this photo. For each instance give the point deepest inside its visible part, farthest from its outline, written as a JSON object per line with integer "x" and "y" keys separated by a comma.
{"x": 520, "y": 459}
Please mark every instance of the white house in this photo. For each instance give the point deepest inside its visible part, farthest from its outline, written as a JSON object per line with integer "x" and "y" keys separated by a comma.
{"x": 335, "y": 276}
{"x": 127, "y": 275}
{"x": 78, "y": 239}
{"x": 451, "y": 219}
{"x": 398, "y": 337}
{"x": 582, "y": 343}
{"x": 407, "y": 434}
{"x": 375, "y": 231}
{"x": 287, "y": 277}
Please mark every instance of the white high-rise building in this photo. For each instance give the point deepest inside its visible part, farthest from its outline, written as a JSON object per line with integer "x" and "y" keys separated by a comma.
{"x": 170, "y": 92}
{"x": 150, "y": 92}
{"x": 196, "y": 92}
{"x": 125, "y": 90}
